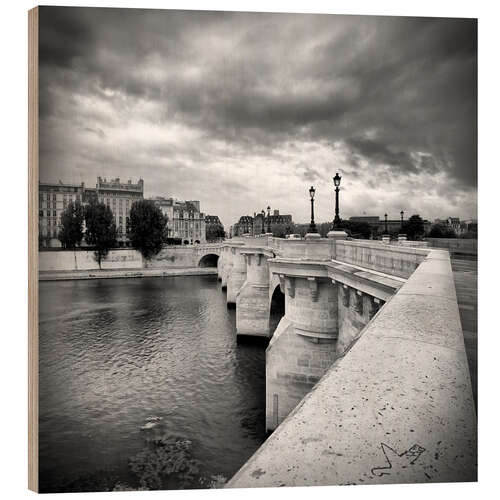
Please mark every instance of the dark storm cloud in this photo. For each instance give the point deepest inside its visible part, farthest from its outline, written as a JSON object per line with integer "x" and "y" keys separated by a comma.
{"x": 395, "y": 94}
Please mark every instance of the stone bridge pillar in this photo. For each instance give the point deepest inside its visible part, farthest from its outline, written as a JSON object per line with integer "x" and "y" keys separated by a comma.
{"x": 220, "y": 264}
{"x": 236, "y": 276}
{"x": 252, "y": 301}
{"x": 303, "y": 346}
{"x": 226, "y": 265}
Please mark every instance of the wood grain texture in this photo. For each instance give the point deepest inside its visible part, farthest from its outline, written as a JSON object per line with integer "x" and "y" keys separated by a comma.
{"x": 33, "y": 249}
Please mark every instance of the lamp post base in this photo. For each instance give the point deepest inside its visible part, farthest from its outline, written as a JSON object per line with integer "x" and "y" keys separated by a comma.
{"x": 337, "y": 235}
{"x": 312, "y": 236}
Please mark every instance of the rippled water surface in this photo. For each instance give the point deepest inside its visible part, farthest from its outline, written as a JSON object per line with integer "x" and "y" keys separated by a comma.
{"x": 114, "y": 353}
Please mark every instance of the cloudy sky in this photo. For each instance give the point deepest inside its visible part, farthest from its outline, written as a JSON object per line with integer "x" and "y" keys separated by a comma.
{"x": 245, "y": 110}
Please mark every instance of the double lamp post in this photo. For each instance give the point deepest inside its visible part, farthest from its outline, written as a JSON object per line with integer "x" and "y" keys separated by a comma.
{"x": 336, "y": 219}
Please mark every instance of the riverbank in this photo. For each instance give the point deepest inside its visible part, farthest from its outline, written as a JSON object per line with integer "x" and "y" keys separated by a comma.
{"x": 123, "y": 273}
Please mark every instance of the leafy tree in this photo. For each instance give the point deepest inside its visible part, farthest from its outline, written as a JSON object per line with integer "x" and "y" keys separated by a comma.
{"x": 214, "y": 232}
{"x": 413, "y": 227}
{"x": 361, "y": 230}
{"x": 439, "y": 231}
{"x": 278, "y": 230}
{"x": 147, "y": 228}
{"x": 101, "y": 229}
{"x": 436, "y": 231}
{"x": 72, "y": 218}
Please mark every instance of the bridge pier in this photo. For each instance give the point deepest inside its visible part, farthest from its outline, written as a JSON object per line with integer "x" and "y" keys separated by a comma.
{"x": 220, "y": 265}
{"x": 252, "y": 301}
{"x": 236, "y": 276}
{"x": 226, "y": 266}
{"x": 303, "y": 346}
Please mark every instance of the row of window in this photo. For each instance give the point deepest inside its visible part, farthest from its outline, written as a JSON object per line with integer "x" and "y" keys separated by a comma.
{"x": 185, "y": 225}
{"x": 53, "y": 196}
{"x": 41, "y": 213}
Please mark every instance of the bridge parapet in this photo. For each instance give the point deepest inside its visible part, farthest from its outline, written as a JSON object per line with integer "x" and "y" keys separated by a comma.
{"x": 391, "y": 259}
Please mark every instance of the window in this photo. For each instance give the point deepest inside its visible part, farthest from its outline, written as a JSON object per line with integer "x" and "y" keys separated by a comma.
{"x": 54, "y": 197}
{"x": 54, "y": 213}
{"x": 40, "y": 213}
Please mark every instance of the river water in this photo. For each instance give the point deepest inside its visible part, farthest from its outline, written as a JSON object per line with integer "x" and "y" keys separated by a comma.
{"x": 141, "y": 377}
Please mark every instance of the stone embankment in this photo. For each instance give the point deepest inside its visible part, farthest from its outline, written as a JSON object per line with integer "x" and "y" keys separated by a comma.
{"x": 122, "y": 273}
{"x": 128, "y": 263}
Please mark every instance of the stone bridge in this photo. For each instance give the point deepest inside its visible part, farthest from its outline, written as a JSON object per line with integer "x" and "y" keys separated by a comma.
{"x": 205, "y": 255}
{"x": 369, "y": 353}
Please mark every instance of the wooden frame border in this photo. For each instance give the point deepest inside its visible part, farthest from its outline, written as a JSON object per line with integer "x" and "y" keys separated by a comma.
{"x": 33, "y": 249}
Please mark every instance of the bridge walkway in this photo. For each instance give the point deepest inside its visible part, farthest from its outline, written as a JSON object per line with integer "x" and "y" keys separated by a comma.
{"x": 465, "y": 277}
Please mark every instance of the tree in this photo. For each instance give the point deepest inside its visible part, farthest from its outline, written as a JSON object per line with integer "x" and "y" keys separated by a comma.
{"x": 214, "y": 232}
{"x": 147, "y": 228}
{"x": 436, "y": 231}
{"x": 413, "y": 227}
{"x": 72, "y": 218}
{"x": 360, "y": 230}
{"x": 440, "y": 231}
{"x": 101, "y": 229}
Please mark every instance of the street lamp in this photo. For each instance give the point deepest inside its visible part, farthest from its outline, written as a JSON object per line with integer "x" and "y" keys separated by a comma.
{"x": 402, "y": 213}
{"x": 336, "y": 182}
{"x": 268, "y": 219}
{"x": 312, "y": 225}
{"x": 263, "y": 231}
{"x": 386, "y": 232}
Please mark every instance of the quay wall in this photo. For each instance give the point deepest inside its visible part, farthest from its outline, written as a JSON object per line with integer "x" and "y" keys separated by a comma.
{"x": 397, "y": 407}
{"x": 172, "y": 257}
{"x": 84, "y": 260}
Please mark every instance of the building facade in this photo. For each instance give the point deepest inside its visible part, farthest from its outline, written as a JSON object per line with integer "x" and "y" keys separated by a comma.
{"x": 118, "y": 196}
{"x": 52, "y": 201}
{"x": 378, "y": 225}
{"x": 214, "y": 229}
{"x": 185, "y": 221}
{"x": 54, "y": 198}
{"x": 244, "y": 225}
{"x": 253, "y": 225}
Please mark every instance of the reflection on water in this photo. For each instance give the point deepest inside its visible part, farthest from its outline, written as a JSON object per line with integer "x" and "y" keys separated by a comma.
{"x": 136, "y": 369}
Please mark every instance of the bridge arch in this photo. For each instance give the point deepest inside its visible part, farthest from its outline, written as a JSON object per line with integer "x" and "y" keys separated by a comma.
{"x": 209, "y": 260}
{"x": 276, "y": 309}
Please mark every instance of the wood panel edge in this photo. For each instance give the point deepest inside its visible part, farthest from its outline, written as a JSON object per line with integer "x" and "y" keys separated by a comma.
{"x": 33, "y": 136}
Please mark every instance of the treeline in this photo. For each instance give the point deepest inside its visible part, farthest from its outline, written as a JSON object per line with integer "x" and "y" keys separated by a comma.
{"x": 413, "y": 228}
{"x": 146, "y": 228}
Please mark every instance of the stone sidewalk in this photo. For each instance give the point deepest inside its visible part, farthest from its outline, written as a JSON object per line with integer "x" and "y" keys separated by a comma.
{"x": 123, "y": 273}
